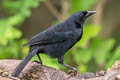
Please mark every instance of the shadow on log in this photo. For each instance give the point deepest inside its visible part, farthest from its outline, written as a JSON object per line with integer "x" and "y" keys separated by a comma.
{"x": 36, "y": 71}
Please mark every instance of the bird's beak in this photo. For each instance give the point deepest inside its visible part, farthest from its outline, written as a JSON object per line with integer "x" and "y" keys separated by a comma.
{"x": 89, "y": 13}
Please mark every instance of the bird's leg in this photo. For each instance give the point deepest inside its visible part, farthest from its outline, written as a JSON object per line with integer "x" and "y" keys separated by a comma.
{"x": 40, "y": 60}
{"x": 60, "y": 60}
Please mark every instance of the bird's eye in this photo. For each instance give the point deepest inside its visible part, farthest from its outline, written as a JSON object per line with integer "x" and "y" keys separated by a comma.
{"x": 85, "y": 12}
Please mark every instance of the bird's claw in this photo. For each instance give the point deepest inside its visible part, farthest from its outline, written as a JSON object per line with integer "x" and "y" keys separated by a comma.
{"x": 73, "y": 72}
{"x": 74, "y": 69}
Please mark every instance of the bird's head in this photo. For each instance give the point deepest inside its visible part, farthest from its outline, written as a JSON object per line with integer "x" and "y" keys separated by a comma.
{"x": 81, "y": 16}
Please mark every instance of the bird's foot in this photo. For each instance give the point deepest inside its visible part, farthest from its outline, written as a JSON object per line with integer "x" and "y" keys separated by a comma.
{"x": 74, "y": 69}
{"x": 73, "y": 73}
{"x": 39, "y": 62}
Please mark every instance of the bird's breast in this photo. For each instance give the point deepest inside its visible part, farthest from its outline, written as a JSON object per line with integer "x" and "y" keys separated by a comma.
{"x": 78, "y": 34}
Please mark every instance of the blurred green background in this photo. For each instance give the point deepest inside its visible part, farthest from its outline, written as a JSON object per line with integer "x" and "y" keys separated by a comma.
{"x": 98, "y": 49}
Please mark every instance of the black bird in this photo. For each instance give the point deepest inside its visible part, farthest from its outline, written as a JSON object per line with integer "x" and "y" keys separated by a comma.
{"x": 56, "y": 40}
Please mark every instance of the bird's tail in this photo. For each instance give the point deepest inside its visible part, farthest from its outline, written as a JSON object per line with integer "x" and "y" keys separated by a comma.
{"x": 23, "y": 63}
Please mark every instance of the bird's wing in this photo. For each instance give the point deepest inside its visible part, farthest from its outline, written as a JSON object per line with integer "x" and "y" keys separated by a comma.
{"x": 49, "y": 38}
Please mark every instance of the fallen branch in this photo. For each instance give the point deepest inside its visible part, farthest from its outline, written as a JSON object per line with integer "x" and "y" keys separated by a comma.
{"x": 36, "y": 71}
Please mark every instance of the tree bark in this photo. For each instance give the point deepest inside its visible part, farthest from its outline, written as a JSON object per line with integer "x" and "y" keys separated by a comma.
{"x": 36, "y": 71}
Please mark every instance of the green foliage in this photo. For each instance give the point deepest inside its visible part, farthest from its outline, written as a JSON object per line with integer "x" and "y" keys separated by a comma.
{"x": 7, "y": 31}
{"x": 89, "y": 31}
{"x": 18, "y": 11}
{"x": 102, "y": 50}
{"x": 20, "y": 7}
{"x": 18, "y": 14}
{"x": 114, "y": 56}
{"x": 98, "y": 53}
{"x": 78, "y": 5}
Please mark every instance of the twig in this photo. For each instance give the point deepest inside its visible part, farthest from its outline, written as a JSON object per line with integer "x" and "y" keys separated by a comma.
{"x": 52, "y": 9}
